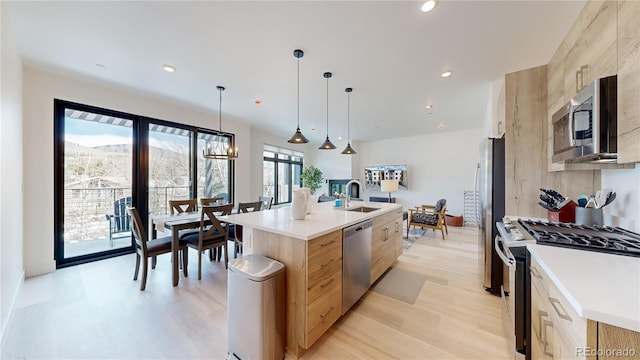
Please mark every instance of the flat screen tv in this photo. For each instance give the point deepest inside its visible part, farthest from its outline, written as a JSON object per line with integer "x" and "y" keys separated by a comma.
{"x": 374, "y": 174}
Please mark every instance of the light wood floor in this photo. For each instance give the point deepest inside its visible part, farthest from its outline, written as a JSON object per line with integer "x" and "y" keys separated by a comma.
{"x": 96, "y": 311}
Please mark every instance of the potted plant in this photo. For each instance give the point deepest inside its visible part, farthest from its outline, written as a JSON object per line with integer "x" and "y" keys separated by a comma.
{"x": 311, "y": 178}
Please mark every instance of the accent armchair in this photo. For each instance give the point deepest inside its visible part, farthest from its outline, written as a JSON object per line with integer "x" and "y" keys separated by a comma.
{"x": 430, "y": 217}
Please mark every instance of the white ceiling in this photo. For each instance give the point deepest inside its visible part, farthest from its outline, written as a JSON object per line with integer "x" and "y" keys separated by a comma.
{"x": 388, "y": 51}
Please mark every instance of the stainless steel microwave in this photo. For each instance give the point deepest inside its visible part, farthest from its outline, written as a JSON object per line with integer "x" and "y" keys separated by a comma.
{"x": 586, "y": 128}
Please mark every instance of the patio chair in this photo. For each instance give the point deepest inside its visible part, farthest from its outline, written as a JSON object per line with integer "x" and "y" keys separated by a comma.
{"x": 119, "y": 225}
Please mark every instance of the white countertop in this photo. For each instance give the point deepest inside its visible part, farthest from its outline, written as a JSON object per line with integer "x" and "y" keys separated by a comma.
{"x": 324, "y": 218}
{"x": 601, "y": 287}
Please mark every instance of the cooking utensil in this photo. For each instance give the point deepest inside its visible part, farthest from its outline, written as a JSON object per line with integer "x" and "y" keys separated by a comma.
{"x": 582, "y": 200}
{"x": 547, "y": 207}
{"x": 610, "y": 198}
{"x": 591, "y": 203}
{"x": 598, "y": 198}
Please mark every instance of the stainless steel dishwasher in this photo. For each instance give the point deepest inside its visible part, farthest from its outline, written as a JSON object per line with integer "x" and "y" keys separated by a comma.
{"x": 356, "y": 263}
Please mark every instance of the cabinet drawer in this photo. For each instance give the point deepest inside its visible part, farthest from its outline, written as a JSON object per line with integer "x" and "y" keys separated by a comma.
{"x": 329, "y": 243}
{"x": 322, "y": 313}
{"x": 382, "y": 220}
{"x": 322, "y": 281}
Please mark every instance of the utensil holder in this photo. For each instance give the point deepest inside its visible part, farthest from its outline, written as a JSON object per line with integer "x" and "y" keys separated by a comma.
{"x": 566, "y": 214}
{"x": 589, "y": 216}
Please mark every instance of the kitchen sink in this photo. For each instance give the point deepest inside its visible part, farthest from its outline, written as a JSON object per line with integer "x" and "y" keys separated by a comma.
{"x": 363, "y": 209}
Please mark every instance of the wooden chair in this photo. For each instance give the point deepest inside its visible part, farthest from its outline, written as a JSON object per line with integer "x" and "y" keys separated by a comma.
{"x": 150, "y": 248}
{"x": 235, "y": 231}
{"x": 210, "y": 201}
{"x": 266, "y": 201}
{"x": 430, "y": 217}
{"x": 213, "y": 234}
{"x": 180, "y": 206}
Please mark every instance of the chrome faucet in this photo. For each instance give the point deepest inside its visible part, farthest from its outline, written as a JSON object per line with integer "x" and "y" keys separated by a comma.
{"x": 348, "y": 199}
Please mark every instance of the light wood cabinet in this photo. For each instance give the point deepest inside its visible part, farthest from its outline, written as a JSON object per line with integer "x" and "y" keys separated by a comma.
{"x": 604, "y": 41}
{"x": 628, "y": 81}
{"x": 558, "y": 332}
{"x": 399, "y": 226}
{"x": 382, "y": 245}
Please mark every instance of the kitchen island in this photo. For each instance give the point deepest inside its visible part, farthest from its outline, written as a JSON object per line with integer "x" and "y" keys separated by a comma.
{"x": 311, "y": 250}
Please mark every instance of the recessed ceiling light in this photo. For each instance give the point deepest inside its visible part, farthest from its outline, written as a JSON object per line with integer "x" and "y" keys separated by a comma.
{"x": 441, "y": 126}
{"x": 168, "y": 68}
{"x": 339, "y": 137}
{"x": 446, "y": 74}
{"x": 429, "y": 106}
{"x": 428, "y": 5}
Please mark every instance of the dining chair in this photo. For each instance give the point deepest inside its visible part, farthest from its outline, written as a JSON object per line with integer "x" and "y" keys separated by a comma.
{"x": 212, "y": 234}
{"x": 146, "y": 248}
{"x": 180, "y": 206}
{"x": 266, "y": 202}
{"x": 235, "y": 231}
{"x": 210, "y": 201}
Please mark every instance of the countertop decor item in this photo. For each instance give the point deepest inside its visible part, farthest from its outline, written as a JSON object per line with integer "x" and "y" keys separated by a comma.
{"x": 221, "y": 146}
{"x": 299, "y": 204}
{"x": 298, "y": 138}
{"x": 348, "y": 150}
{"x": 327, "y": 144}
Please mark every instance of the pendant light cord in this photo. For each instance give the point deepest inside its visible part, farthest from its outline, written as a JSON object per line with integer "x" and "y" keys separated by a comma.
{"x": 327, "y": 108}
{"x": 220, "y": 110}
{"x": 348, "y": 117}
{"x": 298, "y": 93}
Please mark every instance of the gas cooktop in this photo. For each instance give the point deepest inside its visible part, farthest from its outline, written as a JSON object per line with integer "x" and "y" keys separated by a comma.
{"x": 596, "y": 238}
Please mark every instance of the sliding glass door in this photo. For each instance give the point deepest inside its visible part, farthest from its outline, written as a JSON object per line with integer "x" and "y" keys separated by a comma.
{"x": 107, "y": 160}
{"x": 95, "y": 170}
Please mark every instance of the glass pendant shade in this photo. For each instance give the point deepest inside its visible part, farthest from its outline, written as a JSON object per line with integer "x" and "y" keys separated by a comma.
{"x": 220, "y": 147}
{"x": 348, "y": 150}
{"x": 298, "y": 138}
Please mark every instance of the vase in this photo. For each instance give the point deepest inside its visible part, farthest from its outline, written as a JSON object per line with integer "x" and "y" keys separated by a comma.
{"x": 307, "y": 195}
{"x": 299, "y": 205}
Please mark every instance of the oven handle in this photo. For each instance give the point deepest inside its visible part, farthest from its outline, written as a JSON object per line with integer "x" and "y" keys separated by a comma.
{"x": 506, "y": 256}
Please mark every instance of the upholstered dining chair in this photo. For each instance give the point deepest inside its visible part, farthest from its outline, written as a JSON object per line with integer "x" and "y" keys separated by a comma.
{"x": 266, "y": 202}
{"x": 212, "y": 234}
{"x": 235, "y": 231}
{"x": 150, "y": 248}
{"x": 180, "y": 206}
{"x": 430, "y": 217}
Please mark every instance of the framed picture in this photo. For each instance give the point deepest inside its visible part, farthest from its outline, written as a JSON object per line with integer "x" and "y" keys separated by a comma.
{"x": 374, "y": 174}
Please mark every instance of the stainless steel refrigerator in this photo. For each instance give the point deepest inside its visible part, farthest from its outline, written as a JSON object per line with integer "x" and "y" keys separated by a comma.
{"x": 490, "y": 187}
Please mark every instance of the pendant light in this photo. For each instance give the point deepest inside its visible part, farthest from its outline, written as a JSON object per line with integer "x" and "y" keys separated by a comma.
{"x": 298, "y": 138}
{"x": 348, "y": 150}
{"x": 221, "y": 147}
{"x": 327, "y": 145}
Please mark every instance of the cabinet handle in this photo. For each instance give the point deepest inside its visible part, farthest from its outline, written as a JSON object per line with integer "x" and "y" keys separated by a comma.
{"x": 555, "y": 301}
{"x": 326, "y": 284}
{"x": 328, "y": 243}
{"x": 397, "y": 226}
{"x": 578, "y": 80}
{"x": 534, "y": 272}
{"x": 322, "y": 316}
{"x": 543, "y": 331}
{"x": 327, "y": 263}
{"x": 386, "y": 234}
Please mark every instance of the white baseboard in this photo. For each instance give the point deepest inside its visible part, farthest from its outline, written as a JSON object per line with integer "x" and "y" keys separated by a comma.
{"x": 5, "y": 326}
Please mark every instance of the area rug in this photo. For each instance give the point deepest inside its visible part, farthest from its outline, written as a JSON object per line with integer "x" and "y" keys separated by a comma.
{"x": 413, "y": 235}
{"x": 400, "y": 284}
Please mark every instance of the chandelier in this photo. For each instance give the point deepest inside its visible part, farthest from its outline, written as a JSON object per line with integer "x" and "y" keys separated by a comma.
{"x": 220, "y": 147}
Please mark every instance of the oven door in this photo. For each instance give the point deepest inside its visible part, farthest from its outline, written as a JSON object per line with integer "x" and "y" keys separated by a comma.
{"x": 510, "y": 313}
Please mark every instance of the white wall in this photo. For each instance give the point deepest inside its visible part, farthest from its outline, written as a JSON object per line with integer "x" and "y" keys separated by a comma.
{"x": 625, "y": 210}
{"x": 439, "y": 165}
{"x": 11, "y": 176}
{"x": 333, "y": 164}
{"x": 40, "y": 89}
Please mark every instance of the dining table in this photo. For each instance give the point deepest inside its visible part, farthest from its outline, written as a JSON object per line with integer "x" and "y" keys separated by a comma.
{"x": 175, "y": 223}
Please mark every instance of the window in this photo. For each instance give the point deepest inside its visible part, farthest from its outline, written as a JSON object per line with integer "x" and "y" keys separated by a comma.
{"x": 281, "y": 172}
